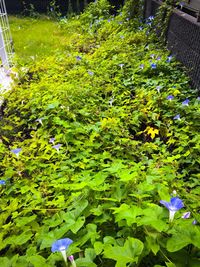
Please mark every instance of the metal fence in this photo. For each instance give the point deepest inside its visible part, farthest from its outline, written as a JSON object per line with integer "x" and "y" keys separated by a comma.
{"x": 183, "y": 38}
{"x": 5, "y": 38}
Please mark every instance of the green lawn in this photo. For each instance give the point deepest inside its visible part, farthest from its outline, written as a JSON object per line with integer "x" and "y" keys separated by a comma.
{"x": 35, "y": 38}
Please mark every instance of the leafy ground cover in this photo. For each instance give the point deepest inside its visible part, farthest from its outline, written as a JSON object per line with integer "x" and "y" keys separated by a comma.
{"x": 93, "y": 137}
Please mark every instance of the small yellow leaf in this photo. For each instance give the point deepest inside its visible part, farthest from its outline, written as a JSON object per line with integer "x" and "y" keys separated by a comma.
{"x": 152, "y": 132}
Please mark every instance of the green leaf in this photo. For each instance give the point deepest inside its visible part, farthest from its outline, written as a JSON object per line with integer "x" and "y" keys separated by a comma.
{"x": 152, "y": 244}
{"x": 19, "y": 240}
{"x": 5, "y": 262}
{"x": 37, "y": 261}
{"x": 129, "y": 253}
{"x": 153, "y": 216}
{"x": 182, "y": 237}
{"x": 98, "y": 247}
{"x": 20, "y": 222}
{"x": 128, "y": 213}
{"x": 53, "y": 105}
{"x": 87, "y": 261}
{"x": 77, "y": 224}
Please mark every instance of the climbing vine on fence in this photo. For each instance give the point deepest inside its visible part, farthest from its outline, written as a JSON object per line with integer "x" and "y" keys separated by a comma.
{"x": 162, "y": 18}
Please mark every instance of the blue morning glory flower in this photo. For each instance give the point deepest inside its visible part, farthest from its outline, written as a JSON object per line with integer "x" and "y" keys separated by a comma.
{"x": 61, "y": 245}
{"x": 151, "y": 18}
{"x": 158, "y": 88}
{"x": 169, "y": 59}
{"x": 109, "y": 20}
{"x": 170, "y": 97}
{"x": 52, "y": 140}
{"x": 186, "y": 102}
{"x": 57, "y": 147}
{"x": 198, "y": 98}
{"x": 2, "y": 182}
{"x": 140, "y": 28}
{"x": 173, "y": 206}
{"x": 16, "y": 151}
{"x": 78, "y": 58}
{"x": 177, "y": 117}
{"x": 158, "y": 58}
{"x": 194, "y": 222}
{"x": 141, "y": 66}
{"x": 111, "y": 101}
{"x": 186, "y": 215}
{"x": 153, "y": 66}
{"x": 91, "y": 73}
{"x": 121, "y": 65}
{"x": 120, "y": 22}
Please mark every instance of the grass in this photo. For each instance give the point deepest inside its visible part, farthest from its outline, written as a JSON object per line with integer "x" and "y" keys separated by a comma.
{"x": 35, "y": 39}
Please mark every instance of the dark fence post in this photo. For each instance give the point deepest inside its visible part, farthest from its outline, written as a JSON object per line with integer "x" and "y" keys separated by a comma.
{"x": 147, "y": 8}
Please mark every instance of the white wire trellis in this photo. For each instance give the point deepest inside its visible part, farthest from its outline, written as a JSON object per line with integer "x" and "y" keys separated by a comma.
{"x": 6, "y": 52}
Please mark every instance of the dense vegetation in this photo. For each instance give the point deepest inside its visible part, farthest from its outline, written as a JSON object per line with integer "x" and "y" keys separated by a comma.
{"x": 93, "y": 137}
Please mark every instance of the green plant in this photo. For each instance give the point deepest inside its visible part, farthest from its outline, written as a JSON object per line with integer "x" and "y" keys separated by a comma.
{"x": 53, "y": 11}
{"x": 93, "y": 137}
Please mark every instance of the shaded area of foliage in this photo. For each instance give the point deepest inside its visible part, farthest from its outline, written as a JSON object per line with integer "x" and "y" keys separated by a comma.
{"x": 104, "y": 102}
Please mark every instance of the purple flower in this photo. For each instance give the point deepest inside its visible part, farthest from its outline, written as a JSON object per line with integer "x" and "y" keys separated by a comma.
{"x": 120, "y": 22}
{"x": 158, "y": 58}
{"x": 109, "y": 20}
{"x": 173, "y": 206}
{"x": 2, "y": 182}
{"x": 141, "y": 66}
{"x": 194, "y": 222}
{"x": 169, "y": 59}
{"x": 153, "y": 65}
{"x": 198, "y": 98}
{"x": 52, "y": 140}
{"x": 121, "y": 65}
{"x": 91, "y": 73}
{"x": 170, "y": 97}
{"x": 71, "y": 259}
{"x": 57, "y": 147}
{"x": 78, "y": 58}
{"x": 140, "y": 28}
{"x": 186, "y": 215}
{"x": 16, "y": 151}
{"x": 186, "y": 102}
{"x": 177, "y": 117}
{"x": 61, "y": 245}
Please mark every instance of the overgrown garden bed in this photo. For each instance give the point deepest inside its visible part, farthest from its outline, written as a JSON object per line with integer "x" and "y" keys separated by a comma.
{"x": 93, "y": 137}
